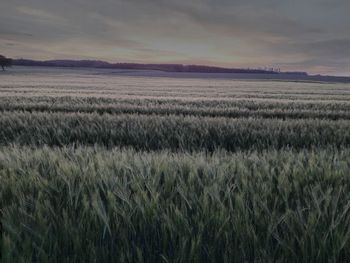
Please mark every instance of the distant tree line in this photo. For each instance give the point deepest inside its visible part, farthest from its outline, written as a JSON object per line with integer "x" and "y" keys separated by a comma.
{"x": 137, "y": 66}
{"x": 5, "y": 62}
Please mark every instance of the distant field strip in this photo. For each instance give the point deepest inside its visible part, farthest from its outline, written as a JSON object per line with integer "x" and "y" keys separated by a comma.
{"x": 175, "y": 114}
{"x": 170, "y": 132}
{"x": 168, "y": 88}
{"x": 232, "y": 109}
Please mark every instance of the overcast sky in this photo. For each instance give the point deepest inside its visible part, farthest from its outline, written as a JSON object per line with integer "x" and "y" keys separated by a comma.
{"x": 308, "y": 35}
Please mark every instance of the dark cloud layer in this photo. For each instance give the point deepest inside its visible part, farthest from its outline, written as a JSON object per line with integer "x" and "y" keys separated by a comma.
{"x": 311, "y": 35}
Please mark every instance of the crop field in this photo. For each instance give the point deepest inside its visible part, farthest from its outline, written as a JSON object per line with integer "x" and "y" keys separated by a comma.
{"x": 99, "y": 167}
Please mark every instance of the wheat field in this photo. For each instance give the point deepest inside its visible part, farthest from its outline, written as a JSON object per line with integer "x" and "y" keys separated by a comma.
{"x": 99, "y": 167}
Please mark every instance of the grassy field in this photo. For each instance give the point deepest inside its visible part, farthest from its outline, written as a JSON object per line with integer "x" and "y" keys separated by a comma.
{"x": 99, "y": 168}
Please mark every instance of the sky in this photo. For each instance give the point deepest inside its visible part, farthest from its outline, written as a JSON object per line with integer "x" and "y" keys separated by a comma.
{"x": 294, "y": 35}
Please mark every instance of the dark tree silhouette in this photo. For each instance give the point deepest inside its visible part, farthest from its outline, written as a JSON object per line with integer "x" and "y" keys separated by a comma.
{"x": 5, "y": 62}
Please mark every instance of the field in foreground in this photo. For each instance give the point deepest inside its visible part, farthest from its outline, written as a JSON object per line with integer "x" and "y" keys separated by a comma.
{"x": 103, "y": 168}
{"x": 97, "y": 205}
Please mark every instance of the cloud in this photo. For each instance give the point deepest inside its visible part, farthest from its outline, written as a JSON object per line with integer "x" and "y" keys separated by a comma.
{"x": 294, "y": 34}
